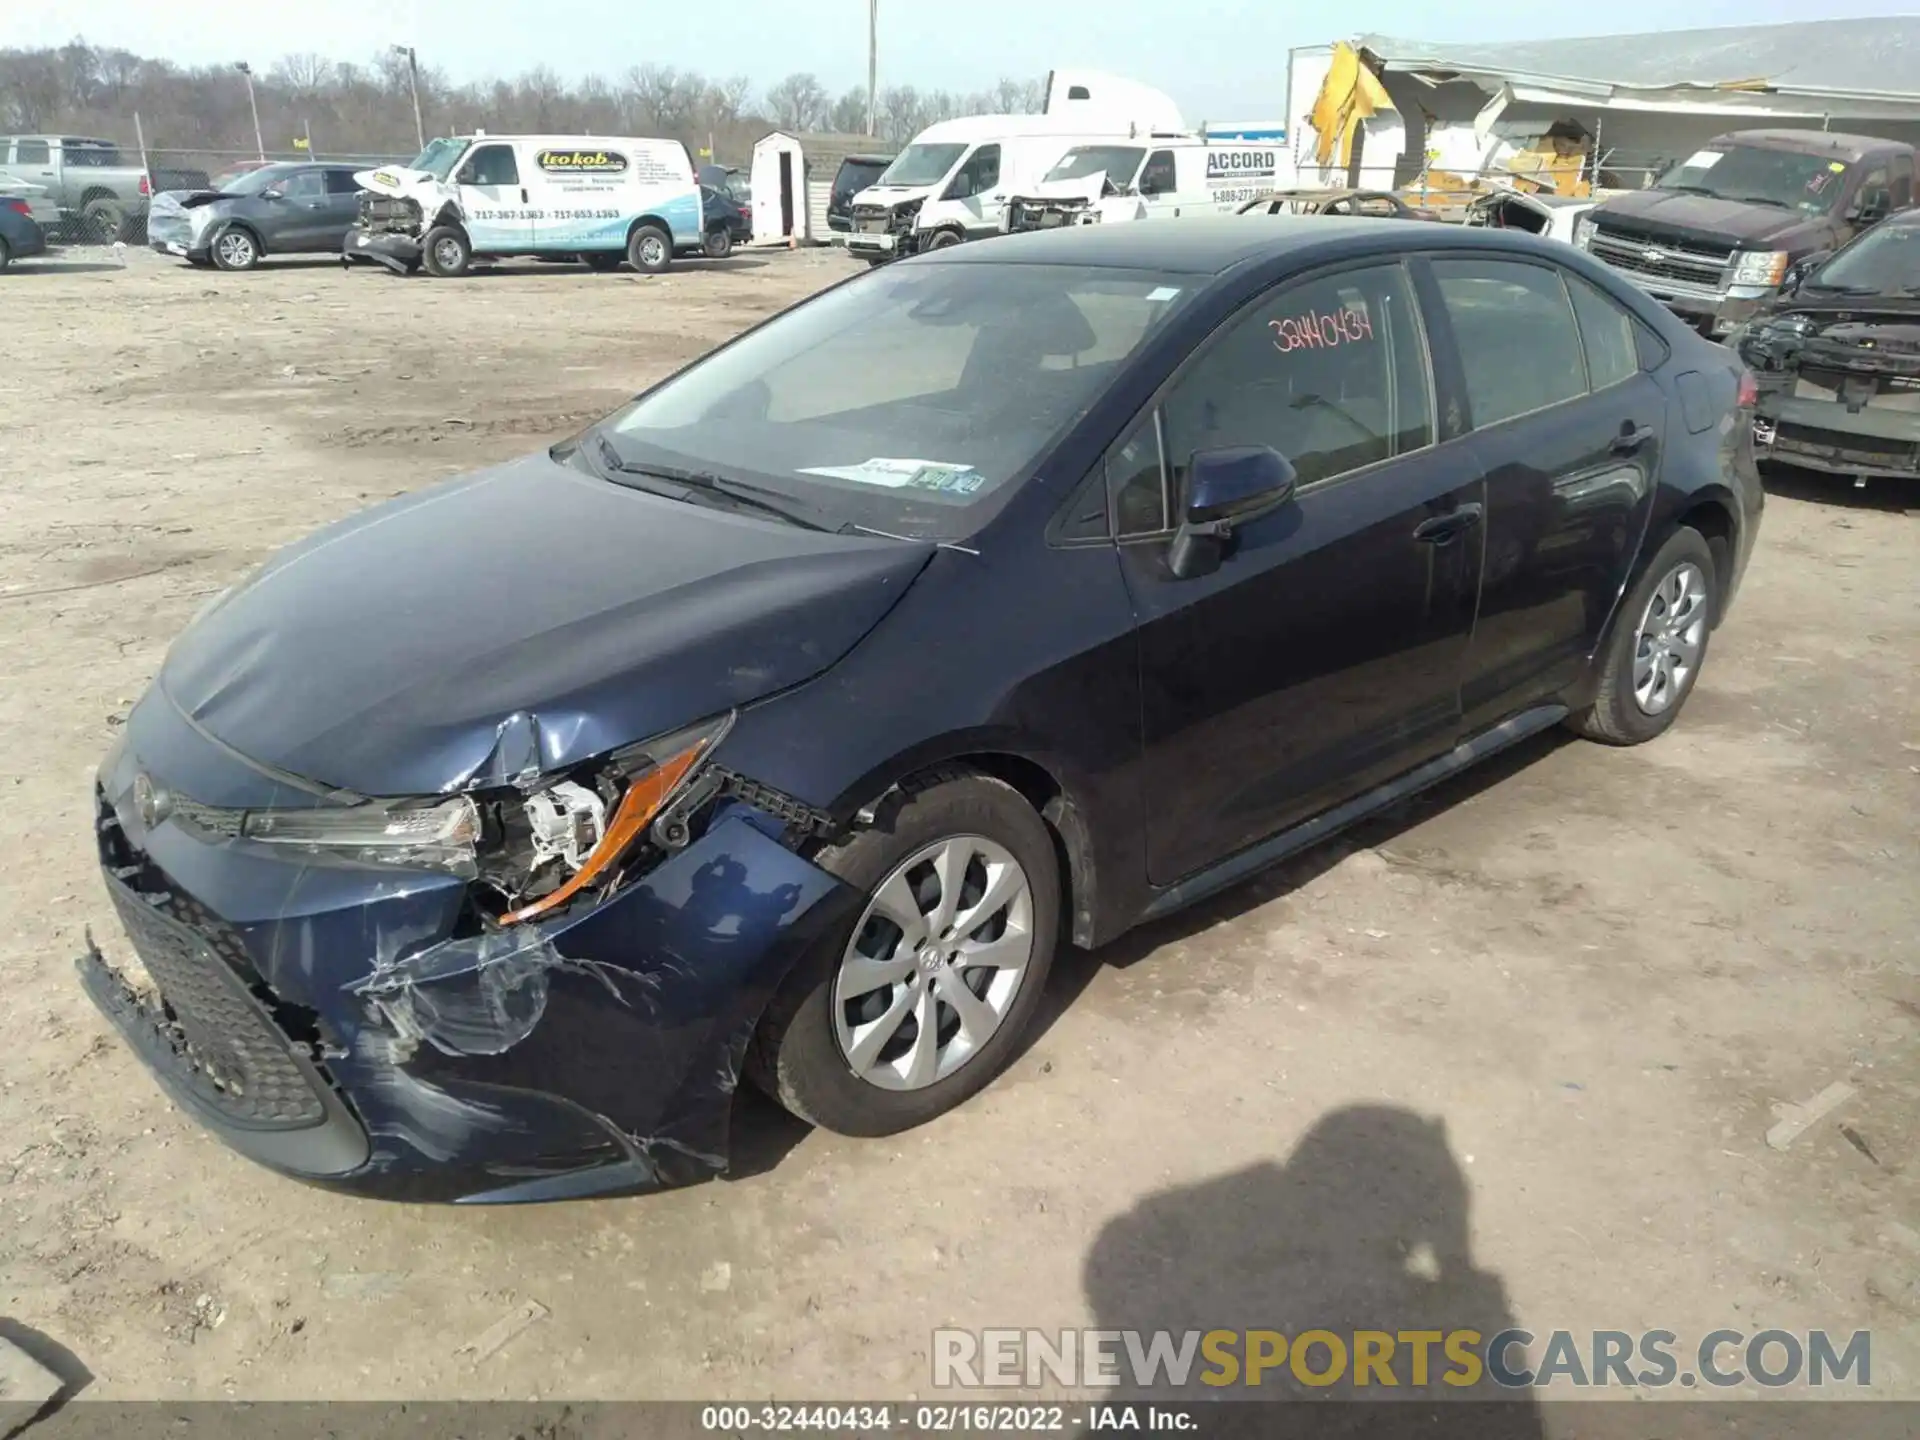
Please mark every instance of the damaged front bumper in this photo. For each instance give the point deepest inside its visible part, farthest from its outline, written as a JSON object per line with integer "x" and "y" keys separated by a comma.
{"x": 399, "y": 252}
{"x": 358, "y": 1029}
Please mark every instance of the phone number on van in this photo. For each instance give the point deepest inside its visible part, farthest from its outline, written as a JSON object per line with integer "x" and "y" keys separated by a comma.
{"x": 543, "y": 214}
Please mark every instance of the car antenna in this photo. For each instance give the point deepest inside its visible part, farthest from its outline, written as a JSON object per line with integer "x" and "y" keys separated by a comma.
{"x": 912, "y": 540}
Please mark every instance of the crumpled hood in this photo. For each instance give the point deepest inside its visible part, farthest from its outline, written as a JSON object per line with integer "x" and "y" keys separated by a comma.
{"x": 1870, "y": 334}
{"x": 392, "y": 180}
{"x": 1676, "y": 215}
{"x": 521, "y": 619}
{"x": 889, "y": 195}
{"x": 1086, "y": 187}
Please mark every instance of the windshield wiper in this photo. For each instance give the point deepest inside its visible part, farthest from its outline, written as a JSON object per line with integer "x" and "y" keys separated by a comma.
{"x": 1761, "y": 200}
{"x": 734, "y": 494}
{"x": 1686, "y": 189}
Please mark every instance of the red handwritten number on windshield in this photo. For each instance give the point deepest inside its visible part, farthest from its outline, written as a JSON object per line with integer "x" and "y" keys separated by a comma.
{"x": 1320, "y": 330}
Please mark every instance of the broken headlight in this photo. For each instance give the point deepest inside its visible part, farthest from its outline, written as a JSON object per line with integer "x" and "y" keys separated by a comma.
{"x": 437, "y": 835}
{"x": 579, "y": 830}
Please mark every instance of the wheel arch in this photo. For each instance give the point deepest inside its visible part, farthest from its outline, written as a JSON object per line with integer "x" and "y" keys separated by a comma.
{"x": 1042, "y": 784}
{"x": 97, "y": 192}
{"x": 658, "y": 222}
{"x": 1715, "y": 515}
{"x": 252, "y": 232}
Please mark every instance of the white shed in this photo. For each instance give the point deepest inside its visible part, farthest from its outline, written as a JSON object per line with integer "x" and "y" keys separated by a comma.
{"x": 792, "y": 177}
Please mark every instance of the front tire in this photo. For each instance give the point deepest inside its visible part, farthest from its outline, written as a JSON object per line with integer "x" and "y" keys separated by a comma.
{"x": 446, "y": 252}
{"x": 941, "y": 239}
{"x": 923, "y": 1000}
{"x": 1653, "y": 658}
{"x": 235, "y": 249}
{"x": 649, "y": 249}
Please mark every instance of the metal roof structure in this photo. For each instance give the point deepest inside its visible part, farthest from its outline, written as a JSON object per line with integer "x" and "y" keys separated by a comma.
{"x": 1850, "y": 60}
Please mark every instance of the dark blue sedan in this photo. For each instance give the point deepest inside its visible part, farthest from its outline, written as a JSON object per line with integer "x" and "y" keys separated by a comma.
{"x": 786, "y": 722}
{"x": 21, "y": 237}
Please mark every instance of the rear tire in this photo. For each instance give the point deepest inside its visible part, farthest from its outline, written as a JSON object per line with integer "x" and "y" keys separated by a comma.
{"x": 990, "y": 943}
{"x": 446, "y": 252}
{"x": 103, "y": 221}
{"x": 1654, "y": 656}
{"x": 719, "y": 243}
{"x": 649, "y": 249}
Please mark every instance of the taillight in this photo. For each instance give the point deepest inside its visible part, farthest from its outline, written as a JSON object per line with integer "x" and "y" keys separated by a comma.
{"x": 1749, "y": 394}
{"x": 146, "y": 186}
{"x": 20, "y": 206}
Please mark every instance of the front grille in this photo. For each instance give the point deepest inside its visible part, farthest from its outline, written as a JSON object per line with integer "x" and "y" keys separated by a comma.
{"x": 388, "y": 212}
{"x": 1683, "y": 267}
{"x": 212, "y": 1008}
{"x": 1043, "y": 214}
{"x": 880, "y": 220}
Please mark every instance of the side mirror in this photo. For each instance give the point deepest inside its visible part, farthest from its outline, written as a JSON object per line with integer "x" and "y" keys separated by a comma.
{"x": 465, "y": 176}
{"x": 1225, "y": 489}
{"x": 1872, "y": 206}
{"x": 961, "y": 188}
{"x": 1800, "y": 269}
{"x": 273, "y": 194}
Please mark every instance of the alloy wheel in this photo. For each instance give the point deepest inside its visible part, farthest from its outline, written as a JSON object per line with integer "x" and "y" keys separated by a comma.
{"x": 236, "y": 250}
{"x": 934, "y": 964}
{"x": 1666, "y": 647}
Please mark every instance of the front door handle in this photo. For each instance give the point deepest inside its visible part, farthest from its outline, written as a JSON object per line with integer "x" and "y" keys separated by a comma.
{"x": 1442, "y": 529}
{"x": 1631, "y": 438}
{"x": 523, "y": 194}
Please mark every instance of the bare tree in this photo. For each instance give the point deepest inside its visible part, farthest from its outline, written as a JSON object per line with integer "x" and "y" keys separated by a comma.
{"x": 849, "y": 114}
{"x": 303, "y": 76}
{"x": 900, "y": 113}
{"x": 799, "y": 102}
{"x": 30, "y": 89}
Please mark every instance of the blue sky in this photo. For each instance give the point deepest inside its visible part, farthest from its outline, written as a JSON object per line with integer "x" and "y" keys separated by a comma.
{"x": 1218, "y": 60}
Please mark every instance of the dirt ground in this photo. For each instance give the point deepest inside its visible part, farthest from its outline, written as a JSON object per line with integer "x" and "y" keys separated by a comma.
{"x": 1512, "y": 1054}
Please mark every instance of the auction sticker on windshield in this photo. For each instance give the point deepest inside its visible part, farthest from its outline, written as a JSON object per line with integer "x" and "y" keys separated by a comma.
{"x": 905, "y": 474}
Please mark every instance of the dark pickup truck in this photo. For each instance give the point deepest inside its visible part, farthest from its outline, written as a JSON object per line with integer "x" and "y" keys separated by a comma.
{"x": 1715, "y": 236}
{"x": 1838, "y": 360}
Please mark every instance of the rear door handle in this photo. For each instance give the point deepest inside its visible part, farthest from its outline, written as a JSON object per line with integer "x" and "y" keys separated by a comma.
{"x": 1631, "y": 438}
{"x": 1440, "y": 529}
{"x": 523, "y": 194}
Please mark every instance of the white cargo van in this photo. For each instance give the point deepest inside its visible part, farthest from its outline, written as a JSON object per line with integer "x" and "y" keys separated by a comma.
{"x": 1158, "y": 176}
{"x": 602, "y": 198}
{"x": 951, "y": 184}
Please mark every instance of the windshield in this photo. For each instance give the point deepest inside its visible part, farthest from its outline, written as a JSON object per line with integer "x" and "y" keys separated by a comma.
{"x": 252, "y": 182}
{"x": 439, "y": 158}
{"x": 1781, "y": 178}
{"x": 913, "y": 400}
{"x": 921, "y": 165}
{"x": 1119, "y": 162}
{"x": 1885, "y": 260}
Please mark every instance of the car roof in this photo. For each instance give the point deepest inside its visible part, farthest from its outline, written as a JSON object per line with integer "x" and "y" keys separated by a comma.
{"x": 1211, "y": 245}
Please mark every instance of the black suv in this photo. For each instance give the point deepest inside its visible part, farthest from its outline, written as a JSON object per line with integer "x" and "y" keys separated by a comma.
{"x": 856, "y": 173}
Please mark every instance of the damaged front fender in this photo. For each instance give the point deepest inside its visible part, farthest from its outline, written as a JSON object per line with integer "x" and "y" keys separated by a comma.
{"x": 591, "y": 1054}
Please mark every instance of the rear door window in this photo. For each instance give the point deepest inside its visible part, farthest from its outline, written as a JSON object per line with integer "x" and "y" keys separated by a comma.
{"x": 1519, "y": 344}
{"x": 303, "y": 185}
{"x": 32, "y": 152}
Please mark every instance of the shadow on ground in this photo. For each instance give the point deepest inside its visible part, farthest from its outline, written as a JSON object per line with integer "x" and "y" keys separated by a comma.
{"x": 1365, "y": 1227}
